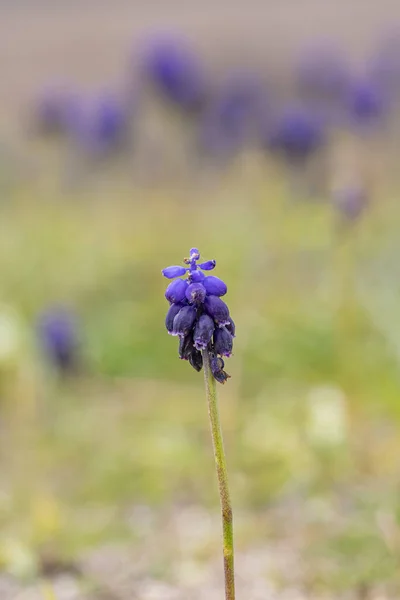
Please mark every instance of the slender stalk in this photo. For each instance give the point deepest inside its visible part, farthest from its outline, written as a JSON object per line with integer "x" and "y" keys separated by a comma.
{"x": 222, "y": 475}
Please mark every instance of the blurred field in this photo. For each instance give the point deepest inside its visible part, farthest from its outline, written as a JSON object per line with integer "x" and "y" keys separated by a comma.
{"x": 107, "y": 485}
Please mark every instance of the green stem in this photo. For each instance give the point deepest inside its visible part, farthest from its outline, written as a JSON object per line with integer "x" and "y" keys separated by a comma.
{"x": 222, "y": 475}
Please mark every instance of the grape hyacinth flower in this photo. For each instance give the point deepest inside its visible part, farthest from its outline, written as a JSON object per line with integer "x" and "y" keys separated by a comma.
{"x": 201, "y": 320}
{"x": 296, "y": 134}
{"x": 230, "y": 121}
{"x": 367, "y": 104}
{"x": 197, "y": 311}
{"x": 54, "y": 109}
{"x": 174, "y": 69}
{"x": 57, "y": 330}
{"x": 351, "y": 201}
{"x": 322, "y": 72}
{"x": 101, "y": 127}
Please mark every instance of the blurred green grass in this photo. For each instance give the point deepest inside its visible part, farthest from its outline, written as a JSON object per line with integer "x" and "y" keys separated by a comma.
{"x": 133, "y": 428}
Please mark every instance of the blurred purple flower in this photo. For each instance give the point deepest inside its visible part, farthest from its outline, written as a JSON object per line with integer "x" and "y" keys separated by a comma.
{"x": 366, "y": 103}
{"x": 173, "y": 67}
{"x": 322, "y": 72}
{"x": 383, "y": 67}
{"x": 232, "y": 115}
{"x": 295, "y": 134}
{"x": 351, "y": 201}
{"x": 54, "y": 109}
{"x": 59, "y": 338}
{"x": 102, "y": 124}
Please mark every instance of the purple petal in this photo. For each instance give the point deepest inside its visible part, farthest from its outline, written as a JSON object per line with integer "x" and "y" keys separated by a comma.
{"x": 203, "y": 332}
{"x": 208, "y": 266}
{"x": 171, "y": 272}
{"x": 171, "y": 314}
{"x": 184, "y": 321}
{"x": 176, "y": 290}
{"x": 214, "y": 286}
{"x": 195, "y": 293}
{"x": 217, "y": 309}
{"x": 223, "y": 341}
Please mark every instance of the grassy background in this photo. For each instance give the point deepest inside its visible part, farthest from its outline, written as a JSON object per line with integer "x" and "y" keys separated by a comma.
{"x": 316, "y": 311}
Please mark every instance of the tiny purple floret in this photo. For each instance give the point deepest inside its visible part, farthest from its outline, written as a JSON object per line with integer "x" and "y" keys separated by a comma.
{"x": 203, "y": 332}
{"x": 195, "y": 293}
{"x": 196, "y": 276}
{"x": 214, "y": 286}
{"x": 208, "y": 266}
{"x": 184, "y": 321}
{"x": 217, "y": 309}
{"x": 171, "y": 314}
{"x": 176, "y": 291}
{"x": 223, "y": 342}
{"x": 172, "y": 272}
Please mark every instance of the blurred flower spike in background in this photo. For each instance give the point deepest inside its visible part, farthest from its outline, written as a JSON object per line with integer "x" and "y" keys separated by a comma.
{"x": 173, "y": 67}
{"x": 56, "y": 107}
{"x": 198, "y": 316}
{"x": 58, "y": 336}
{"x": 296, "y": 134}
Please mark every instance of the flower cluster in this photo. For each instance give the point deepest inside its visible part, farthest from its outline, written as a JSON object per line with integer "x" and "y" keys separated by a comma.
{"x": 198, "y": 316}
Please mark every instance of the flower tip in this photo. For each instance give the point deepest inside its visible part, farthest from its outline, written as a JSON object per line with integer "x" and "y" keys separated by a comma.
{"x": 194, "y": 253}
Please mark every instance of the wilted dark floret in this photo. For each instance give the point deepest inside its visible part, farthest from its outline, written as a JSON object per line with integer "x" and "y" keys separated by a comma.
{"x": 185, "y": 346}
{"x": 195, "y": 293}
{"x": 196, "y": 359}
{"x": 176, "y": 291}
{"x": 217, "y": 369}
{"x": 203, "y": 332}
{"x": 223, "y": 341}
{"x": 184, "y": 321}
{"x": 171, "y": 314}
{"x": 231, "y": 327}
{"x": 215, "y": 286}
{"x": 217, "y": 309}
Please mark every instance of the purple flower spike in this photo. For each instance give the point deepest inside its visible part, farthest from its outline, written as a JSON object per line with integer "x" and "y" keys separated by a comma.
{"x": 172, "y": 272}
{"x": 223, "y": 341}
{"x": 203, "y": 332}
{"x": 184, "y": 321}
{"x": 208, "y": 266}
{"x": 196, "y": 276}
{"x": 214, "y": 286}
{"x": 176, "y": 291}
{"x": 59, "y": 337}
{"x": 217, "y": 309}
{"x": 198, "y": 316}
{"x": 171, "y": 314}
{"x": 195, "y": 293}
